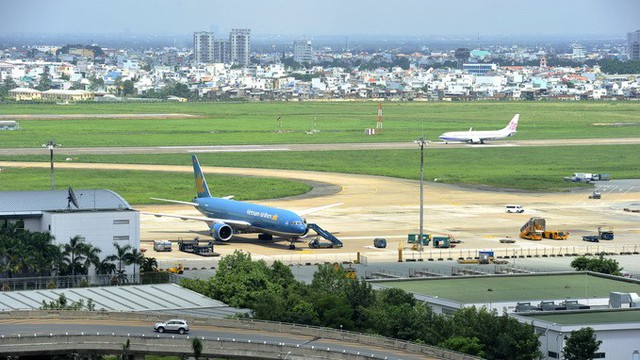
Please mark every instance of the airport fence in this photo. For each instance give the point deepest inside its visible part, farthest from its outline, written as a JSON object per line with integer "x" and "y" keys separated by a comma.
{"x": 77, "y": 281}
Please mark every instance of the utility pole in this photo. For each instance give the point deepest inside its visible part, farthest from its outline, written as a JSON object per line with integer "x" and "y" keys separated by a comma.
{"x": 51, "y": 144}
{"x": 422, "y": 142}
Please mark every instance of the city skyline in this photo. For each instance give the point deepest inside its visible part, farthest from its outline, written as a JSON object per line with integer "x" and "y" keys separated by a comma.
{"x": 329, "y": 17}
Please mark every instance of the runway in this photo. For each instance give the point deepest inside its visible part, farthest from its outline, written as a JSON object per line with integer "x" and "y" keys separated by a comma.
{"x": 312, "y": 147}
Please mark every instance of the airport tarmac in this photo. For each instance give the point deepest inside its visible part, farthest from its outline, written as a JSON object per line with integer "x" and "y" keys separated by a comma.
{"x": 376, "y": 206}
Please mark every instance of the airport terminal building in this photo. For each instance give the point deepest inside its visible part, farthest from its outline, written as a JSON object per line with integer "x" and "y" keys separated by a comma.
{"x": 99, "y": 216}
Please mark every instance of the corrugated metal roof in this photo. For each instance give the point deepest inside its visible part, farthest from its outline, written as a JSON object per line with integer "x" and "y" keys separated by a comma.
{"x": 58, "y": 200}
{"x": 168, "y": 298}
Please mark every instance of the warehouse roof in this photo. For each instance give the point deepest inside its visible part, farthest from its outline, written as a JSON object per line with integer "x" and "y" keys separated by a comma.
{"x": 167, "y": 298}
{"x": 36, "y": 202}
{"x": 509, "y": 288}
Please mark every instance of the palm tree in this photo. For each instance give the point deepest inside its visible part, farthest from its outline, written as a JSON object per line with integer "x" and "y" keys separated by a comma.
{"x": 105, "y": 267}
{"x": 73, "y": 253}
{"x": 149, "y": 264}
{"x": 136, "y": 258}
{"x": 122, "y": 256}
{"x": 91, "y": 257}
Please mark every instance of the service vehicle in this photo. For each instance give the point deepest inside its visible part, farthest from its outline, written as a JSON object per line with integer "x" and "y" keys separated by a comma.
{"x": 178, "y": 325}
{"x": 380, "y": 243}
{"x": 555, "y": 234}
{"x": 315, "y": 243}
{"x": 161, "y": 245}
{"x": 514, "y": 209}
{"x": 595, "y": 195}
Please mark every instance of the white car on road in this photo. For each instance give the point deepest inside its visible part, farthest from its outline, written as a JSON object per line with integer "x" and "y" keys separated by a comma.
{"x": 178, "y": 325}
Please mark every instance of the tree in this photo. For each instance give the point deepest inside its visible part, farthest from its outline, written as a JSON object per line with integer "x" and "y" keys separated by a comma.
{"x": 90, "y": 254}
{"x": 196, "y": 346}
{"x": 45, "y": 80}
{"x": 8, "y": 84}
{"x": 135, "y": 258}
{"x": 463, "y": 344}
{"x": 597, "y": 264}
{"x": 96, "y": 83}
{"x": 73, "y": 254}
{"x": 127, "y": 88}
{"x": 581, "y": 345}
{"x": 122, "y": 256}
{"x": 149, "y": 264}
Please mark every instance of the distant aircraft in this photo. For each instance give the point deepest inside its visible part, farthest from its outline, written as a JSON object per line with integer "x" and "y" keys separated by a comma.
{"x": 480, "y": 136}
{"x": 227, "y": 217}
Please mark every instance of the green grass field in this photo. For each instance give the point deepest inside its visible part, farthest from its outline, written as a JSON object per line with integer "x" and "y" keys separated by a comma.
{"x": 513, "y": 288}
{"x": 137, "y": 187}
{"x": 533, "y": 168}
{"x": 336, "y": 122}
{"x": 526, "y": 168}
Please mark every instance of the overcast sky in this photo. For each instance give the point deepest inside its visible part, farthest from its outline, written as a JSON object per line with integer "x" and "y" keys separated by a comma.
{"x": 327, "y": 17}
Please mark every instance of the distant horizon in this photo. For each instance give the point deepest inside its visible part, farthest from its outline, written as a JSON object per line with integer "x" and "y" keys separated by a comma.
{"x": 354, "y": 18}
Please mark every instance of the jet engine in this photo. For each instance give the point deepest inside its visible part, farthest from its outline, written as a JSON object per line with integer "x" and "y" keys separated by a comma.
{"x": 221, "y": 232}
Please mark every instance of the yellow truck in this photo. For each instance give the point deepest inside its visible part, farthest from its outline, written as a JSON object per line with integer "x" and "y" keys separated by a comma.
{"x": 533, "y": 229}
{"x": 555, "y": 234}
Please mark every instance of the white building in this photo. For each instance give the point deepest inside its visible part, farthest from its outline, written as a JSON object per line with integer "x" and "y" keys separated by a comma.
{"x": 302, "y": 51}
{"x": 100, "y": 217}
{"x": 203, "y": 47}
{"x": 240, "y": 46}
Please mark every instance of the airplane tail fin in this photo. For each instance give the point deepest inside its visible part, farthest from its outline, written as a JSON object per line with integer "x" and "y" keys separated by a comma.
{"x": 513, "y": 124}
{"x": 201, "y": 184}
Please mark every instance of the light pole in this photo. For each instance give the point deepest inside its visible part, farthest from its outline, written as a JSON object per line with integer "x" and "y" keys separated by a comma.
{"x": 51, "y": 144}
{"x": 422, "y": 142}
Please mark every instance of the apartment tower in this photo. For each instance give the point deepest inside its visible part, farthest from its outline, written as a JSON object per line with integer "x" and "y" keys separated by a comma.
{"x": 239, "y": 46}
{"x": 302, "y": 51}
{"x": 633, "y": 45}
{"x": 203, "y": 47}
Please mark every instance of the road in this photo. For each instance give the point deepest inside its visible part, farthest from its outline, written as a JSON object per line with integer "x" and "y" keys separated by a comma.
{"x": 44, "y": 327}
{"x": 310, "y": 147}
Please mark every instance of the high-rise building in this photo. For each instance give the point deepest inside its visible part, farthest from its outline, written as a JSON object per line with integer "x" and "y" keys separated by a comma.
{"x": 633, "y": 45}
{"x": 221, "y": 53}
{"x": 240, "y": 46}
{"x": 203, "y": 47}
{"x": 302, "y": 51}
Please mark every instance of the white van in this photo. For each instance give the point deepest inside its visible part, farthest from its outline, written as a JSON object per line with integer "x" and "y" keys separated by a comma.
{"x": 514, "y": 209}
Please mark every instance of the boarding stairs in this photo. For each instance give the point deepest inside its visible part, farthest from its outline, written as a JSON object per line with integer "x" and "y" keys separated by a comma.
{"x": 325, "y": 234}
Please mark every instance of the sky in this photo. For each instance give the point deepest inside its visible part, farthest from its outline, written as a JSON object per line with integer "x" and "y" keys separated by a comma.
{"x": 327, "y": 17}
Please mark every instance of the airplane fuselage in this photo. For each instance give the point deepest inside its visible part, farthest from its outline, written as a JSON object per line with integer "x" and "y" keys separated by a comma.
{"x": 263, "y": 219}
{"x": 472, "y": 136}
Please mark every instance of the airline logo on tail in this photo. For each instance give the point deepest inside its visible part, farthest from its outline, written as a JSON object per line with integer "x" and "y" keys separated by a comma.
{"x": 201, "y": 184}
{"x": 513, "y": 124}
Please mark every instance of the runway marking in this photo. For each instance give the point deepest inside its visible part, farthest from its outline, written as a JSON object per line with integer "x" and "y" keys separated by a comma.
{"x": 480, "y": 146}
{"x": 237, "y": 150}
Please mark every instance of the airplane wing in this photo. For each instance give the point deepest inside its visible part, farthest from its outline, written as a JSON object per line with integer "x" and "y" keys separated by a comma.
{"x": 177, "y": 202}
{"x": 208, "y": 220}
{"x": 312, "y": 210}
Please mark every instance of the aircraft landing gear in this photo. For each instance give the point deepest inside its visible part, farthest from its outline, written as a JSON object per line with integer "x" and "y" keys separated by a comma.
{"x": 265, "y": 237}
{"x": 292, "y": 245}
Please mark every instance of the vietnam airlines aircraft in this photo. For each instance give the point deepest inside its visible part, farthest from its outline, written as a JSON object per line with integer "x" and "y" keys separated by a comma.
{"x": 227, "y": 217}
{"x": 480, "y": 136}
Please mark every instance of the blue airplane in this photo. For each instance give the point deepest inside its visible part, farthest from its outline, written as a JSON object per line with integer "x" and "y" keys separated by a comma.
{"x": 226, "y": 217}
